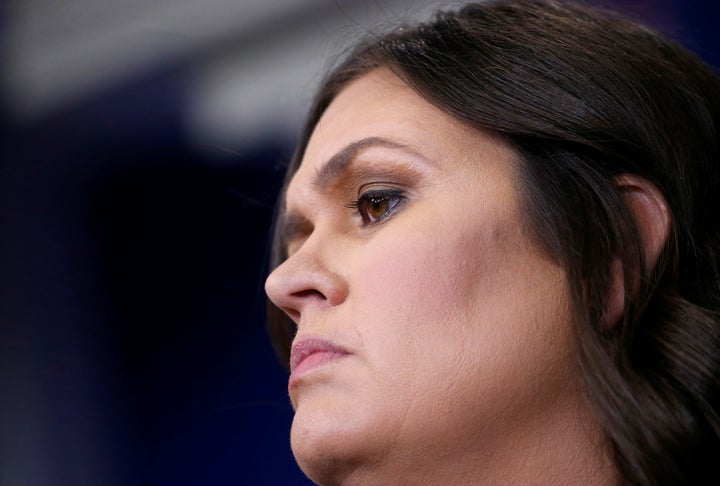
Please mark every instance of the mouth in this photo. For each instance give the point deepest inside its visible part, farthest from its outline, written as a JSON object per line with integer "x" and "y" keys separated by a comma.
{"x": 310, "y": 353}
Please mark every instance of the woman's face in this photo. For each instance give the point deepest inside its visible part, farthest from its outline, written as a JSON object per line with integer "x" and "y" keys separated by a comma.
{"x": 431, "y": 331}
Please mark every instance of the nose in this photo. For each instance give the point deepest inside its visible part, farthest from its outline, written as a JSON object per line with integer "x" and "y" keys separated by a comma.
{"x": 304, "y": 282}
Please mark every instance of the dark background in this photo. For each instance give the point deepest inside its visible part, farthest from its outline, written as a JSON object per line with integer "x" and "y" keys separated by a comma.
{"x": 132, "y": 342}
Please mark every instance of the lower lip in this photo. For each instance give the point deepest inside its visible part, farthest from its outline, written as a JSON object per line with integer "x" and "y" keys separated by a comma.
{"x": 313, "y": 361}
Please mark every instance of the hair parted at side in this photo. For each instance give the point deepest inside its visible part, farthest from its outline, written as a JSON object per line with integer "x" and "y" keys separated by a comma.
{"x": 585, "y": 96}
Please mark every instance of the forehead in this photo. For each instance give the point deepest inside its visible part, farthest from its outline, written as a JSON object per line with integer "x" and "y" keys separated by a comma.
{"x": 379, "y": 104}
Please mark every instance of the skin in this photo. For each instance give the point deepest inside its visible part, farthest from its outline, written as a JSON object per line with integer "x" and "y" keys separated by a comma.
{"x": 462, "y": 365}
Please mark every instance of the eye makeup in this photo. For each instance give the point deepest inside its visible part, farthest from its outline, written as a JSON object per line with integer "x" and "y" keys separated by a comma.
{"x": 338, "y": 164}
{"x": 377, "y": 188}
{"x": 374, "y": 206}
{"x": 374, "y": 184}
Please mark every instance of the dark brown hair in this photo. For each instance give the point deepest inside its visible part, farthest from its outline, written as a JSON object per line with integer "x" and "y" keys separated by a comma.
{"x": 584, "y": 96}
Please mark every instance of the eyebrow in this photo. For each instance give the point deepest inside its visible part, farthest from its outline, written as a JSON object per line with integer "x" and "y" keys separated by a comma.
{"x": 326, "y": 175}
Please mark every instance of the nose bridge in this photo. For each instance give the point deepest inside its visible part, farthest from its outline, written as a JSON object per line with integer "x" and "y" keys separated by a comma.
{"x": 309, "y": 277}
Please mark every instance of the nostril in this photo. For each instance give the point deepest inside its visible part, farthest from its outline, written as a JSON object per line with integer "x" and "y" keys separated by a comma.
{"x": 309, "y": 294}
{"x": 298, "y": 300}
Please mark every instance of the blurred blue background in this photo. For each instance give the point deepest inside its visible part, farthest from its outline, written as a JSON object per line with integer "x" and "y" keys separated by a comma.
{"x": 142, "y": 147}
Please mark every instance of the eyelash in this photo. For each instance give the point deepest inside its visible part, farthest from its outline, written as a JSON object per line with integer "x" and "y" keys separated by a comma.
{"x": 392, "y": 196}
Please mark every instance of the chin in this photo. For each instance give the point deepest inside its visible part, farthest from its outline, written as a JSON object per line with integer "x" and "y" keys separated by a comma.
{"x": 332, "y": 448}
{"x": 322, "y": 454}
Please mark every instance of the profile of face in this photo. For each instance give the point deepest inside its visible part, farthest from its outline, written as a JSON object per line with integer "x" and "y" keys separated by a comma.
{"x": 434, "y": 337}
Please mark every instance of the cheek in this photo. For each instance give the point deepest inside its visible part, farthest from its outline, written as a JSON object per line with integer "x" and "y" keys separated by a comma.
{"x": 456, "y": 320}
{"x": 419, "y": 295}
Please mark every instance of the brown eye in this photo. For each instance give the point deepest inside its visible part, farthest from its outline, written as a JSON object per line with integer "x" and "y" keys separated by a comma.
{"x": 375, "y": 206}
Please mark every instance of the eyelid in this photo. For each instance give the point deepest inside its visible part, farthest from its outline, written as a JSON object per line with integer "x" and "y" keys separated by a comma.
{"x": 395, "y": 181}
{"x": 364, "y": 173}
{"x": 382, "y": 186}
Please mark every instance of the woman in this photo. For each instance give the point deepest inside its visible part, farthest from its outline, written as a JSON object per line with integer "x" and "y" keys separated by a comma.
{"x": 499, "y": 250}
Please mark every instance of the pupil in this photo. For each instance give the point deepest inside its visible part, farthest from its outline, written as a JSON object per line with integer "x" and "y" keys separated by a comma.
{"x": 378, "y": 207}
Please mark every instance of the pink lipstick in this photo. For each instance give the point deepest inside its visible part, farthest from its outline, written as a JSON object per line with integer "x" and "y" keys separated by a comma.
{"x": 310, "y": 353}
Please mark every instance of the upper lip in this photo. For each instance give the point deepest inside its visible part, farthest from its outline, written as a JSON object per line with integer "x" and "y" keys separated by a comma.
{"x": 305, "y": 347}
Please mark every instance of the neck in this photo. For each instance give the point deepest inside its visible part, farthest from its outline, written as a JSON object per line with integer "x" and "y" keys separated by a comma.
{"x": 564, "y": 446}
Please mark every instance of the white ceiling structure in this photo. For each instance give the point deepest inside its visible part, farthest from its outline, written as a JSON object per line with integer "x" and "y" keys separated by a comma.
{"x": 255, "y": 63}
